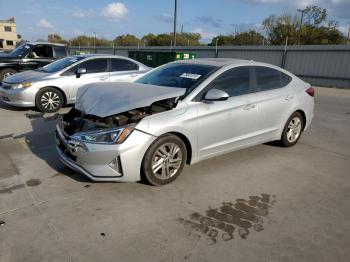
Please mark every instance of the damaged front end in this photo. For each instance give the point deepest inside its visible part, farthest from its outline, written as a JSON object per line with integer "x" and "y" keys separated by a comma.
{"x": 110, "y": 129}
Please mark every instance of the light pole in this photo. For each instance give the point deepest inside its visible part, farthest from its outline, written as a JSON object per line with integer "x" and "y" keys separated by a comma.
{"x": 301, "y": 24}
{"x": 94, "y": 42}
{"x": 175, "y": 17}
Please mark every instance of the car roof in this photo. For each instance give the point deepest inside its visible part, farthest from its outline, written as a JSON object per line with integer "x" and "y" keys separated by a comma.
{"x": 219, "y": 62}
{"x": 43, "y": 43}
{"x": 102, "y": 55}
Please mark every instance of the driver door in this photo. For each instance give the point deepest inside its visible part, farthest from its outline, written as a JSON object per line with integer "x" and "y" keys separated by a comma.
{"x": 37, "y": 57}
{"x": 96, "y": 72}
{"x": 225, "y": 125}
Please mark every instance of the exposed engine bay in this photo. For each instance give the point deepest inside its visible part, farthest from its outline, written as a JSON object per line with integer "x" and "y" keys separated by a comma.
{"x": 75, "y": 121}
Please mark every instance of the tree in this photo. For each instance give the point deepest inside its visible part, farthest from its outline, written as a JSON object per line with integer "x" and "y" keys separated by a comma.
{"x": 126, "y": 40}
{"x": 182, "y": 39}
{"x": 84, "y": 40}
{"x": 250, "y": 37}
{"x": 55, "y": 38}
{"x": 312, "y": 29}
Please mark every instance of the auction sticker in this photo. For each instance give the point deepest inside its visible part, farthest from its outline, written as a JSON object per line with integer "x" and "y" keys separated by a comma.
{"x": 190, "y": 76}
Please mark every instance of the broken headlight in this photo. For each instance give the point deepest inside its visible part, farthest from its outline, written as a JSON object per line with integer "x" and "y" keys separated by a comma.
{"x": 112, "y": 136}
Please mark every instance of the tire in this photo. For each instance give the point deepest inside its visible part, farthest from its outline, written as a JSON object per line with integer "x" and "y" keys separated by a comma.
{"x": 6, "y": 72}
{"x": 172, "y": 164}
{"x": 292, "y": 130}
{"x": 43, "y": 102}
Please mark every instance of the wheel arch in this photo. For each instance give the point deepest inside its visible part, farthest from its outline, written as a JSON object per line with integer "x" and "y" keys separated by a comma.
{"x": 303, "y": 115}
{"x": 187, "y": 144}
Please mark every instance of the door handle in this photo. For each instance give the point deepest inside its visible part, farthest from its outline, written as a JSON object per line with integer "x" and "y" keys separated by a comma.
{"x": 133, "y": 75}
{"x": 103, "y": 78}
{"x": 248, "y": 107}
{"x": 288, "y": 97}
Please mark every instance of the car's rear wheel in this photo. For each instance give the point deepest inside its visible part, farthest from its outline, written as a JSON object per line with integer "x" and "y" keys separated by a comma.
{"x": 292, "y": 130}
{"x": 6, "y": 73}
{"x": 49, "y": 100}
{"x": 164, "y": 160}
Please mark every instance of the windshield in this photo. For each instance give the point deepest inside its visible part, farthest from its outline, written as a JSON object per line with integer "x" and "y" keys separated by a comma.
{"x": 178, "y": 75}
{"x": 60, "y": 64}
{"x": 21, "y": 50}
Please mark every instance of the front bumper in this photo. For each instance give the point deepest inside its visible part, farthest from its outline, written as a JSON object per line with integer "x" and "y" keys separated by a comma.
{"x": 18, "y": 97}
{"x": 93, "y": 160}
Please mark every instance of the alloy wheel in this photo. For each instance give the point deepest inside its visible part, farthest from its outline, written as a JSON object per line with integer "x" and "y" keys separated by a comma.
{"x": 50, "y": 100}
{"x": 294, "y": 129}
{"x": 166, "y": 161}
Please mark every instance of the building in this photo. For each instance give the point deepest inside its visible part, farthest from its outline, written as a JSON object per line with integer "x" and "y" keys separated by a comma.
{"x": 8, "y": 34}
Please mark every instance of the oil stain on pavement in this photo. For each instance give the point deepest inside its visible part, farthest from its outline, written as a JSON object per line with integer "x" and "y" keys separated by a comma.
{"x": 242, "y": 216}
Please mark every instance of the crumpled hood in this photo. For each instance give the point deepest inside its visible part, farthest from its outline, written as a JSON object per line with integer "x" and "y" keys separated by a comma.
{"x": 106, "y": 99}
{"x": 25, "y": 76}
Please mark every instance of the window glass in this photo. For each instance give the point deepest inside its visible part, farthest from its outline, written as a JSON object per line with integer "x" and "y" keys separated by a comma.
{"x": 9, "y": 42}
{"x": 178, "y": 75}
{"x": 42, "y": 51}
{"x": 8, "y": 29}
{"x": 269, "y": 78}
{"x": 122, "y": 65}
{"x": 60, "y": 64}
{"x": 21, "y": 50}
{"x": 60, "y": 51}
{"x": 95, "y": 65}
{"x": 235, "y": 81}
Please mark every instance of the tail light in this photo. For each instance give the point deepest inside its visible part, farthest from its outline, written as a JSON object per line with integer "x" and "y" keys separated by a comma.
{"x": 311, "y": 91}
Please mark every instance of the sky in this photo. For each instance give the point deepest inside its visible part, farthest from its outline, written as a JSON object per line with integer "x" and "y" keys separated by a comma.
{"x": 110, "y": 18}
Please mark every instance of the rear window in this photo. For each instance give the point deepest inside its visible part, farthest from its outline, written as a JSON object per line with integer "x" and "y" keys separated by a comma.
{"x": 60, "y": 51}
{"x": 118, "y": 64}
{"x": 268, "y": 78}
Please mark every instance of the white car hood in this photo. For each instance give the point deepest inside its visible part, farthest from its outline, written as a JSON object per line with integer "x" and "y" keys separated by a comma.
{"x": 106, "y": 99}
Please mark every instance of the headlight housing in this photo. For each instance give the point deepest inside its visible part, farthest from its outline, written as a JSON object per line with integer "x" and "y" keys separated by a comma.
{"x": 21, "y": 85}
{"x": 112, "y": 136}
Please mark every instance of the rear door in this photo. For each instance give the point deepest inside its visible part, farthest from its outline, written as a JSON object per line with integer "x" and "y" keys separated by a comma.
{"x": 226, "y": 125}
{"x": 123, "y": 70}
{"x": 274, "y": 96}
{"x": 96, "y": 71}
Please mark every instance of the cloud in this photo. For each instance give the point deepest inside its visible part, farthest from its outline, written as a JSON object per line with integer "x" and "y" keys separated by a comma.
{"x": 206, "y": 35}
{"x": 44, "y": 24}
{"x": 83, "y": 13}
{"x": 164, "y": 18}
{"x": 115, "y": 11}
{"x": 209, "y": 20}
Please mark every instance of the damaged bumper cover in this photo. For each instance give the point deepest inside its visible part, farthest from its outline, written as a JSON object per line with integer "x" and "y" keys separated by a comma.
{"x": 119, "y": 162}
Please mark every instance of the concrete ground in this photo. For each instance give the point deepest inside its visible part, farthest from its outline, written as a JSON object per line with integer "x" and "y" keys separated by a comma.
{"x": 264, "y": 203}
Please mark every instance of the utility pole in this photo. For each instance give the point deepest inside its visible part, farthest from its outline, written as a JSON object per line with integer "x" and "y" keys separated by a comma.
{"x": 94, "y": 42}
{"x": 175, "y": 17}
{"x": 301, "y": 24}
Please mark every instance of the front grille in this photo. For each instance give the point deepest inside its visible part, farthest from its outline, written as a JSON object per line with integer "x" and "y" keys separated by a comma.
{"x": 64, "y": 149}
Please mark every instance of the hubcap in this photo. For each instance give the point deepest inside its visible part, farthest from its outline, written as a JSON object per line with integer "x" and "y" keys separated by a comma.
{"x": 294, "y": 129}
{"x": 7, "y": 74}
{"x": 166, "y": 161}
{"x": 50, "y": 100}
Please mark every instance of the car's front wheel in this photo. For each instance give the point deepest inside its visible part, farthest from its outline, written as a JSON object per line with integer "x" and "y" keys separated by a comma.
{"x": 292, "y": 130}
{"x": 6, "y": 73}
{"x": 164, "y": 160}
{"x": 49, "y": 100}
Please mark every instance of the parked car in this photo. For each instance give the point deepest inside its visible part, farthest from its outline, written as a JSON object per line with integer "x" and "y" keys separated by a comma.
{"x": 30, "y": 56}
{"x": 182, "y": 112}
{"x": 54, "y": 85}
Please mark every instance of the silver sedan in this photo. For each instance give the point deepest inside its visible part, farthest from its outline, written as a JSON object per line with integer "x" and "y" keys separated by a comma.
{"x": 182, "y": 112}
{"x": 52, "y": 86}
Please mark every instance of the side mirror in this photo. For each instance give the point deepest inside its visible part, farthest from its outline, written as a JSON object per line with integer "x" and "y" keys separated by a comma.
{"x": 216, "y": 95}
{"x": 80, "y": 72}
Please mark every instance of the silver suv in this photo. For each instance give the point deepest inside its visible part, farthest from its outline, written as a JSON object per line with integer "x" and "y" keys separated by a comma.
{"x": 54, "y": 85}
